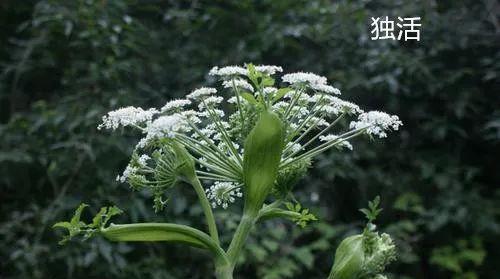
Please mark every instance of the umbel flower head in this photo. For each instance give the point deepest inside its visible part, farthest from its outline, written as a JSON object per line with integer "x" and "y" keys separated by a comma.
{"x": 302, "y": 115}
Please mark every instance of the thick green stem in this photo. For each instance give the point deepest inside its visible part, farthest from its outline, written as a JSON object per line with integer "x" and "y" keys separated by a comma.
{"x": 207, "y": 210}
{"x": 240, "y": 236}
{"x": 224, "y": 271}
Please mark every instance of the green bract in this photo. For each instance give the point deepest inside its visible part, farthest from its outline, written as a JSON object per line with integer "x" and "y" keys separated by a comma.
{"x": 261, "y": 160}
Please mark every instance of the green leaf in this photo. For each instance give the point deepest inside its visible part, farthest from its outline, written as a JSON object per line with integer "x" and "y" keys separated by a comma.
{"x": 249, "y": 97}
{"x": 114, "y": 210}
{"x": 295, "y": 213}
{"x": 78, "y": 212}
{"x": 97, "y": 220}
{"x": 366, "y": 212}
{"x": 373, "y": 211}
{"x": 267, "y": 81}
{"x": 253, "y": 75}
{"x": 297, "y": 207}
{"x": 65, "y": 225}
{"x": 76, "y": 227}
{"x": 280, "y": 93}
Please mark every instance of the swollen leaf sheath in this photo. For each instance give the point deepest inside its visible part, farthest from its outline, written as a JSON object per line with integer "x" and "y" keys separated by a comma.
{"x": 263, "y": 148}
{"x": 162, "y": 232}
{"x": 150, "y": 232}
{"x": 348, "y": 258}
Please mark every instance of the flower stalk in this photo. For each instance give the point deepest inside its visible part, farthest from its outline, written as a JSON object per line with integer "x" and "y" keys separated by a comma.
{"x": 207, "y": 210}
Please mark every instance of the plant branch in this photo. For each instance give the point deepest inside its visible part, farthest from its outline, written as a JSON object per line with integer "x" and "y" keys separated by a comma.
{"x": 207, "y": 210}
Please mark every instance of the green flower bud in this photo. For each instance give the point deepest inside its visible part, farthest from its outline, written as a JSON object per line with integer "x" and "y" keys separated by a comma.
{"x": 348, "y": 258}
{"x": 263, "y": 148}
{"x": 363, "y": 256}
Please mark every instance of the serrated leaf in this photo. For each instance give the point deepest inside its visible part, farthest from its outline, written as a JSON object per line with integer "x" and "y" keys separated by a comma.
{"x": 366, "y": 212}
{"x": 75, "y": 220}
{"x": 112, "y": 211}
{"x": 253, "y": 75}
{"x": 97, "y": 220}
{"x": 76, "y": 227}
{"x": 297, "y": 207}
{"x": 65, "y": 225}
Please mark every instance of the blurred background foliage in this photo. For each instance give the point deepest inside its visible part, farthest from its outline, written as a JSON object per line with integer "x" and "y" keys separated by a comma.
{"x": 65, "y": 63}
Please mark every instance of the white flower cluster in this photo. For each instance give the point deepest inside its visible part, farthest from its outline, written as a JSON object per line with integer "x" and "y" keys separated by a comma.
{"x": 376, "y": 123}
{"x": 223, "y": 193}
{"x": 301, "y": 77}
{"x": 239, "y": 83}
{"x": 314, "y": 81}
{"x": 269, "y": 90}
{"x": 201, "y": 93}
{"x": 175, "y": 105}
{"x": 268, "y": 69}
{"x": 166, "y": 126}
{"x": 129, "y": 171}
{"x": 128, "y": 116}
{"x": 143, "y": 160}
{"x": 337, "y": 105}
{"x": 342, "y": 143}
{"x": 229, "y": 71}
{"x": 214, "y": 133}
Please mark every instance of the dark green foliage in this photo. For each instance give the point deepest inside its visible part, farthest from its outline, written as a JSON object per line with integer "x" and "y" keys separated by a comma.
{"x": 65, "y": 63}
